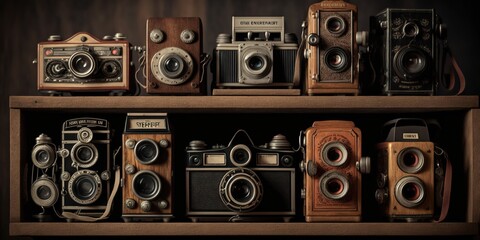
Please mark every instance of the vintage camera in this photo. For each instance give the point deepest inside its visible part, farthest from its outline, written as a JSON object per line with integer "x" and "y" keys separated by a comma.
{"x": 241, "y": 181}
{"x": 333, "y": 167}
{"x": 44, "y": 190}
{"x": 86, "y": 166}
{"x": 405, "y": 51}
{"x": 147, "y": 166}
{"x": 84, "y": 63}
{"x": 174, "y": 55}
{"x": 258, "y": 54}
{"x": 405, "y": 171}
{"x": 331, "y": 48}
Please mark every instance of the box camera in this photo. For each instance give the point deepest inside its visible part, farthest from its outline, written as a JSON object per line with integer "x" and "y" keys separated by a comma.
{"x": 241, "y": 181}
{"x": 147, "y": 166}
{"x": 405, "y": 171}
{"x": 84, "y": 63}
{"x": 404, "y": 50}
{"x": 333, "y": 167}
{"x": 331, "y": 48}
{"x": 174, "y": 55}
{"x": 44, "y": 190}
{"x": 258, "y": 54}
{"x": 86, "y": 166}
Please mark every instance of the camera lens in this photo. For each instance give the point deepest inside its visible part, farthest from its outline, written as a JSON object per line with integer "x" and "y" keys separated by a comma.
{"x": 111, "y": 69}
{"x": 42, "y": 157}
{"x": 410, "y": 29}
{"x": 411, "y": 160}
{"x": 146, "y": 151}
{"x": 44, "y": 192}
{"x": 410, "y": 62}
{"x": 241, "y": 190}
{"x": 334, "y": 185}
{"x": 240, "y": 155}
{"x": 335, "y": 25}
{"x": 410, "y": 191}
{"x": 172, "y": 66}
{"x": 336, "y": 59}
{"x": 85, "y": 186}
{"x": 334, "y": 154}
{"x": 82, "y": 64}
{"x": 84, "y": 155}
{"x": 255, "y": 63}
{"x": 146, "y": 185}
{"x": 56, "y": 69}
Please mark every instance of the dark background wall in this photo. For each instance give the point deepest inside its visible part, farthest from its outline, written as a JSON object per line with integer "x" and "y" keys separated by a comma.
{"x": 25, "y": 23}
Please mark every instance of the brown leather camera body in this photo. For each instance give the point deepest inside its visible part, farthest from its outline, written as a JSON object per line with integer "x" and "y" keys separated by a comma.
{"x": 147, "y": 168}
{"x": 333, "y": 185}
{"x": 406, "y": 179}
{"x": 174, "y": 56}
{"x": 83, "y": 63}
{"x": 331, "y": 48}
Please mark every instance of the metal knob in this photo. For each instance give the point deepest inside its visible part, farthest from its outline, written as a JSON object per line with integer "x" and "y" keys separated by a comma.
{"x": 130, "y": 203}
{"x": 146, "y": 206}
{"x": 312, "y": 169}
{"x": 364, "y": 165}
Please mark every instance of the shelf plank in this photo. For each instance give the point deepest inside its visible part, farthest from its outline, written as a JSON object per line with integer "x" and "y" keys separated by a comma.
{"x": 244, "y": 229}
{"x": 229, "y": 104}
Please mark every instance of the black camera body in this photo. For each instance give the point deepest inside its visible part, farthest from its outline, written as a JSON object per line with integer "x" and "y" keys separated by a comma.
{"x": 241, "y": 181}
{"x": 257, "y": 55}
{"x": 86, "y": 165}
{"x": 404, "y": 48}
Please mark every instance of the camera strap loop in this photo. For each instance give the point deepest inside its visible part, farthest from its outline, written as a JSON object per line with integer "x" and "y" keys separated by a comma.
{"x": 447, "y": 183}
{"x": 73, "y": 216}
{"x": 141, "y": 61}
{"x": 454, "y": 70}
{"x": 204, "y": 62}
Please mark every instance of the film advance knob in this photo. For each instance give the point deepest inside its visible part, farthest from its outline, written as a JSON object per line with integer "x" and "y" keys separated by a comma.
{"x": 130, "y": 203}
{"x": 146, "y": 206}
{"x": 157, "y": 36}
{"x": 187, "y": 36}
{"x": 53, "y": 38}
{"x": 363, "y": 165}
{"x": 311, "y": 168}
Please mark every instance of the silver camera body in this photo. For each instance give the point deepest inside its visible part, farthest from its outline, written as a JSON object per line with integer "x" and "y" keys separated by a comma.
{"x": 257, "y": 54}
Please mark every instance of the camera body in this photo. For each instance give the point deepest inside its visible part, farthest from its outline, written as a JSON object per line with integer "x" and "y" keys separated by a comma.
{"x": 44, "y": 190}
{"x": 174, "y": 63}
{"x": 257, "y": 55}
{"x": 404, "y": 49}
{"x": 333, "y": 180}
{"x": 84, "y": 63}
{"x": 331, "y": 48}
{"x": 405, "y": 171}
{"x": 86, "y": 165}
{"x": 147, "y": 167}
{"x": 241, "y": 181}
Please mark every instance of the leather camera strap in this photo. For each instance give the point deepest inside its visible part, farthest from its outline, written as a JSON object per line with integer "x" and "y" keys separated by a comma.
{"x": 447, "y": 189}
{"x": 454, "y": 70}
{"x": 297, "y": 75}
{"x": 105, "y": 214}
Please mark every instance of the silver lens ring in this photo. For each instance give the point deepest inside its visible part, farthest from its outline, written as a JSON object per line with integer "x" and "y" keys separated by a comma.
{"x": 82, "y": 64}
{"x": 146, "y": 185}
{"x": 84, "y": 155}
{"x": 163, "y": 73}
{"x": 334, "y": 154}
{"x": 43, "y": 156}
{"x": 240, "y": 155}
{"x": 241, "y": 190}
{"x": 146, "y": 151}
{"x": 85, "y": 187}
{"x": 44, "y": 192}
{"x": 334, "y": 185}
{"x": 335, "y": 25}
{"x": 410, "y": 191}
{"x": 411, "y": 160}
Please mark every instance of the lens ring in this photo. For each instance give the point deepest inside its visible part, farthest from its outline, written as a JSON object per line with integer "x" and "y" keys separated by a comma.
{"x": 410, "y": 29}
{"x": 43, "y": 156}
{"x": 336, "y": 59}
{"x": 85, "y": 187}
{"x": 335, "y": 25}
{"x": 81, "y": 64}
{"x": 334, "y": 185}
{"x": 84, "y": 155}
{"x": 146, "y": 151}
{"x": 111, "y": 69}
{"x": 334, "y": 154}
{"x": 146, "y": 185}
{"x": 85, "y": 135}
{"x": 410, "y": 191}
{"x": 411, "y": 160}
{"x": 411, "y": 62}
{"x": 44, "y": 192}
{"x": 255, "y": 63}
{"x": 166, "y": 75}
{"x": 241, "y": 190}
{"x": 240, "y": 155}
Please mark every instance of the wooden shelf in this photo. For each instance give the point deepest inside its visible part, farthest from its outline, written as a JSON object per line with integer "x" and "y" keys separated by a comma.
{"x": 229, "y": 104}
{"x": 244, "y": 229}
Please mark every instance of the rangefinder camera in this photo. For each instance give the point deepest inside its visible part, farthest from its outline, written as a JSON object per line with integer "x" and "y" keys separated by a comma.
{"x": 331, "y": 48}
{"x": 405, "y": 171}
{"x": 241, "y": 181}
{"x": 44, "y": 191}
{"x": 147, "y": 168}
{"x": 86, "y": 166}
{"x": 84, "y": 63}
{"x": 405, "y": 50}
{"x": 333, "y": 169}
{"x": 174, "y": 55}
{"x": 258, "y": 54}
